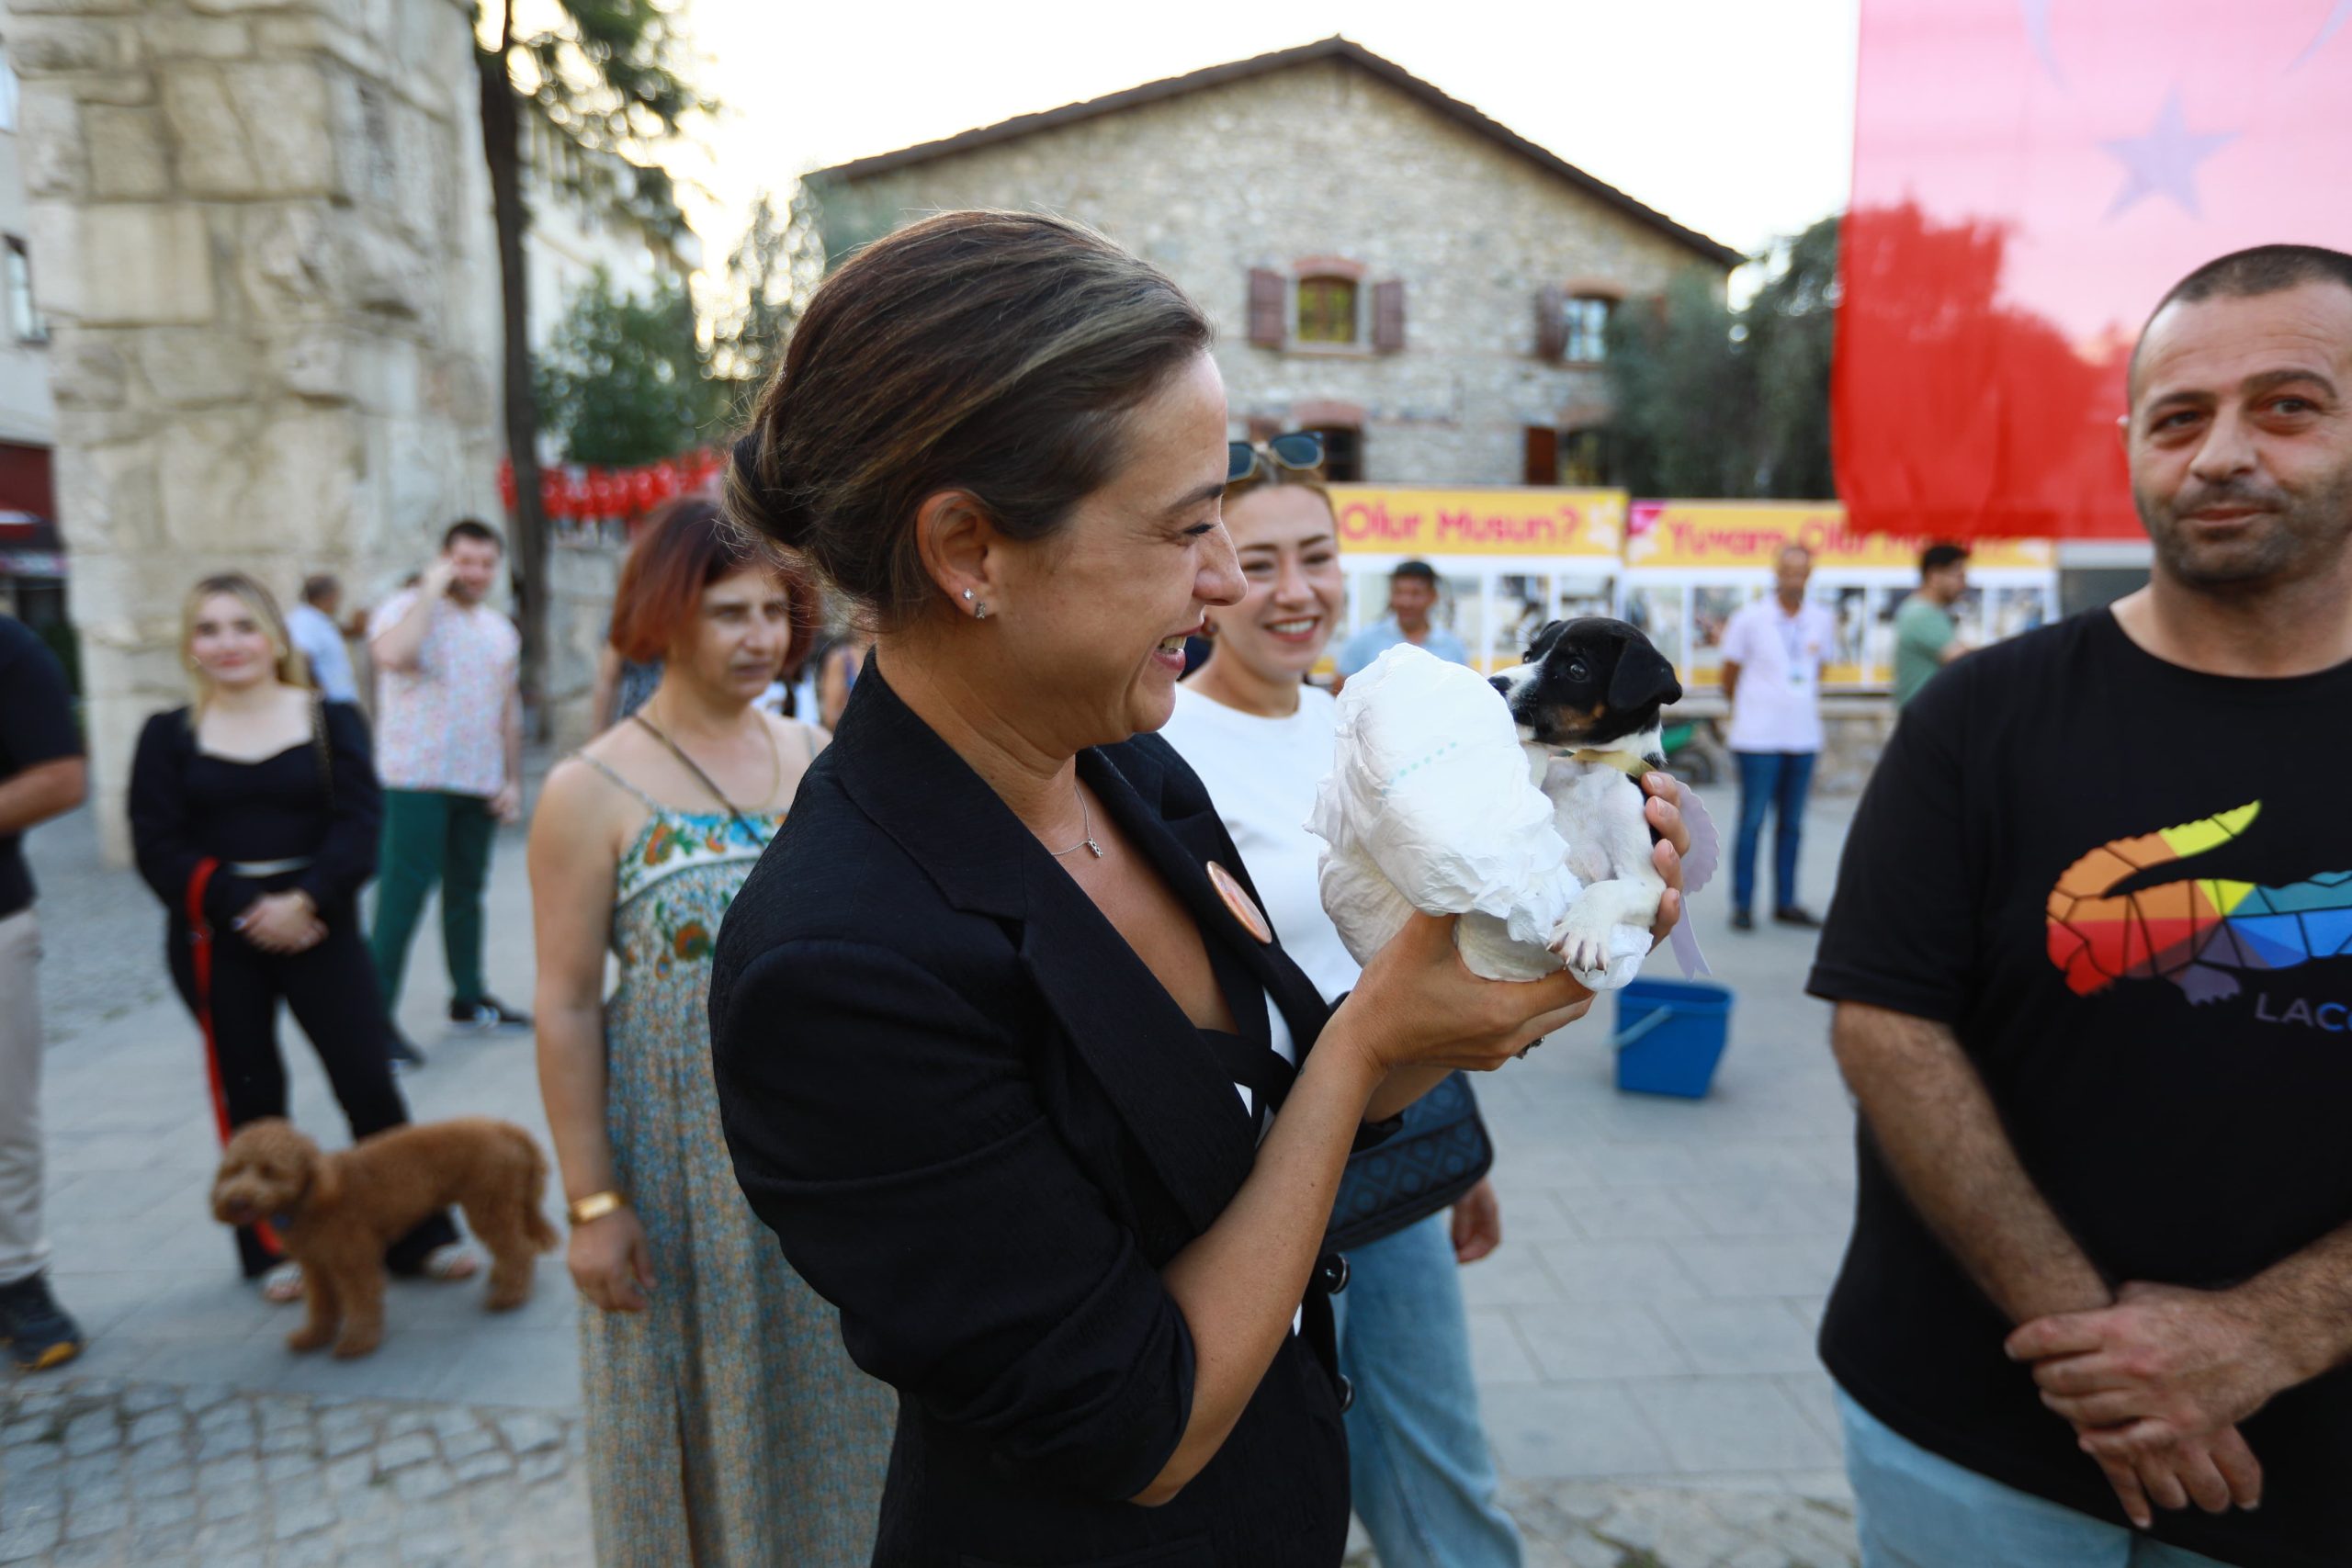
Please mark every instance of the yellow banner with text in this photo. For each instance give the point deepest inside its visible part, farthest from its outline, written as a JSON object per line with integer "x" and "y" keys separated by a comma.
{"x": 1751, "y": 533}
{"x": 1375, "y": 520}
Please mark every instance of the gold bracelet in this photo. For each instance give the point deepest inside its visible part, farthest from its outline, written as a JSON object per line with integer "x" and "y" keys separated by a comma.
{"x": 594, "y": 1206}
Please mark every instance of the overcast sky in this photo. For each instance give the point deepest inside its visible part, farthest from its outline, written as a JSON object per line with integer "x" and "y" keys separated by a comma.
{"x": 1734, "y": 117}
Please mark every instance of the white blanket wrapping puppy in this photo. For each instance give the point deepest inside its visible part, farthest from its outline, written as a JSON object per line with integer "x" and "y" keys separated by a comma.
{"x": 1511, "y": 802}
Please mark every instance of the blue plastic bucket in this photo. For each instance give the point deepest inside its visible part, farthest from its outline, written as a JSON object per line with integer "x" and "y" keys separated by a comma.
{"x": 1670, "y": 1035}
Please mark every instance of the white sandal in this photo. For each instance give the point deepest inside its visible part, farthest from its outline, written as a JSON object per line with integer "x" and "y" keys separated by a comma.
{"x": 450, "y": 1263}
{"x": 282, "y": 1285}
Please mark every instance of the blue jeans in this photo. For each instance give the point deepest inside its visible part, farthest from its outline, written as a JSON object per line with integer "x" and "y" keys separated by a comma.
{"x": 1776, "y": 782}
{"x": 1417, "y": 1455}
{"x": 1917, "y": 1510}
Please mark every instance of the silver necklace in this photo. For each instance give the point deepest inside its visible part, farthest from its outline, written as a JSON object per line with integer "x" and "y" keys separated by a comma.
{"x": 1086, "y": 843}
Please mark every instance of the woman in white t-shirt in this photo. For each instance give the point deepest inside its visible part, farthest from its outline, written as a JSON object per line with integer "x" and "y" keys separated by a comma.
{"x": 1261, "y": 739}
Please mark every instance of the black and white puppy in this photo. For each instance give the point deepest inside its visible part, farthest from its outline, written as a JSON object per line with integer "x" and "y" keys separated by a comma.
{"x": 1587, "y": 702}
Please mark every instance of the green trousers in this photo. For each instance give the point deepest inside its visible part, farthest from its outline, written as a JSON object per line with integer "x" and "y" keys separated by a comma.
{"x": 432, "y": 837}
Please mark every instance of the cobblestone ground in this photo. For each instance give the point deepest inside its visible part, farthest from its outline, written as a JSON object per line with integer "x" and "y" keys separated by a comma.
{"x": 95, "y": 1472}
{"x": 1594, "y": 1524}
{"x": 1597, "y": 1524}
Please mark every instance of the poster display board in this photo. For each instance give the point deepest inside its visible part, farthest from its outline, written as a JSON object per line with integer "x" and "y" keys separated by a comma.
{"x": 1507, "y": 558}
{"x": 1689, "y": 566}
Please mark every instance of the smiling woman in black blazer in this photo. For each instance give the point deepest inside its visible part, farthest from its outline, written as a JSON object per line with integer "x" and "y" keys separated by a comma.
{"x": 1007, "y": 1055}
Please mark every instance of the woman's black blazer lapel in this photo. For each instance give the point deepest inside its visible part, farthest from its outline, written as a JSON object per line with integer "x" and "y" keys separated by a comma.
{"x": 1137, "y": 1042}
{"x": 1181, "y": 832}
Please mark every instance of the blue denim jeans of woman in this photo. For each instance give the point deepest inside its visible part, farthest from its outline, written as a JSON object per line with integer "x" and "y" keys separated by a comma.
{"x": 1418, "y": 1465}
{"x": 1915, "y": 1509}
{"x": 1777, "y": 782}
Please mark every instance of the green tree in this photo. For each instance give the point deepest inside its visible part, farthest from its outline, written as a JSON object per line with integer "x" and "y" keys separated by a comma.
{"x": 1789, "y": 333}
{"x": 1681, "y": 420}
{"x": 624, "y": 380}
{"x": 1713, "y": 401}
{"x": 770, "y": 275}
{"x": 611, "y": 75}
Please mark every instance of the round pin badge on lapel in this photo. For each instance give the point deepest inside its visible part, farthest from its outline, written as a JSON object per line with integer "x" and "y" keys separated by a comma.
{"x": 1236, "y": 899}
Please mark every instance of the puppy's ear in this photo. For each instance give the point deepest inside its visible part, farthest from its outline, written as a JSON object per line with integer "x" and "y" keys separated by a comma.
{"x": 1642, "y": 677}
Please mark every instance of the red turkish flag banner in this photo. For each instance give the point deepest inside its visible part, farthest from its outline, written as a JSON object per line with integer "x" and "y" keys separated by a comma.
{"x": 2031, "y": 176}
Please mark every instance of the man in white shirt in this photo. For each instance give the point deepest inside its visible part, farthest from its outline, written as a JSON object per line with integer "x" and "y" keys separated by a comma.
{"x": 449, "y": 750}
{"x": 1772, "y": 654}
{"x": 317, "y": 630}
{"x": 1412, "y": 594}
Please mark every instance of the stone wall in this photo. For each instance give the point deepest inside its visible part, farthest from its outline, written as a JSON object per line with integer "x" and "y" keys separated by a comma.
{"x": 262, "y": 232}
{"x": 1325, "y": 160}
{"x": 27, "y": 413}
{"x": 583, "y": 572}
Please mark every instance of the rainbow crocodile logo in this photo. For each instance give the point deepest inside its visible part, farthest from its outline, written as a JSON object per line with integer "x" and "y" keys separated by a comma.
{"x": 2199, "y": 933}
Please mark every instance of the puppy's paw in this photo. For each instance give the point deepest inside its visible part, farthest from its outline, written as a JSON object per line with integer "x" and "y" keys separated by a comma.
{"x": 1583, "y": 943}
{"x": 308, "y": 1337}
{"x": 355, "y": 1345}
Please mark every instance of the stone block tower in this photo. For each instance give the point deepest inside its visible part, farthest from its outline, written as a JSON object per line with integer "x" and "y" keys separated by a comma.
{"x": 262, "y": 236}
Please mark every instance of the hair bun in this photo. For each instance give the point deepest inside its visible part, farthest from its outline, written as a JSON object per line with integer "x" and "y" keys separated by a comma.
{"x": 755, "y": 502}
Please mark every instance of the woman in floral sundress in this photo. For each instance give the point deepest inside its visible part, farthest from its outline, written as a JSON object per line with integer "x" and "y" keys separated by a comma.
{"x": 726, "y": 1423}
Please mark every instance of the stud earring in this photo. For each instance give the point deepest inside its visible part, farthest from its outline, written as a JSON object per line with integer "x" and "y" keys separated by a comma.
{"x": 967, "y": 596}
{"x": 980, "y": 611}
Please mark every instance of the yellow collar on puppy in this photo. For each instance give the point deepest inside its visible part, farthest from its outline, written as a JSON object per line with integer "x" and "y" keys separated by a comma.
{"x": 1625, "y": 763}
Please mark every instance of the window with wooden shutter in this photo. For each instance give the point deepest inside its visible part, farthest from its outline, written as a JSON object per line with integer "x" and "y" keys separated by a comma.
{"x": 1342, "y": 453}
{"x": 1584, "y": 328}
{"x": 1327, "y": 310}
{"x": 1551, "y": 322}
{"x": 1388, "y": 316}
{"x": 1266, "y": 323}
{"x": 1586, "y": 457}
{"x": 1542, "y": 464}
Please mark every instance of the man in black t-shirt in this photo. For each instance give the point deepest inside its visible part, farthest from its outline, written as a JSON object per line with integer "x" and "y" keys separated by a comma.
{"x": 41, "y": 777}
{"x": 2092, "y": 955}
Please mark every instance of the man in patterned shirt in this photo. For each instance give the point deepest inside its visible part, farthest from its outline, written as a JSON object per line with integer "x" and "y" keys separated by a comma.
{"x": 449, "y": 749}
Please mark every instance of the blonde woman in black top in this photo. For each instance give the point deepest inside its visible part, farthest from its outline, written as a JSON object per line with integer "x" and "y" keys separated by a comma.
{"x": 253, "y": 813}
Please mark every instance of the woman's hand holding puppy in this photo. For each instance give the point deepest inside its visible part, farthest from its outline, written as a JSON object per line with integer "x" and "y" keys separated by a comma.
{"x": 1665, "y": 818}
{"x": 1418, "y": 1006}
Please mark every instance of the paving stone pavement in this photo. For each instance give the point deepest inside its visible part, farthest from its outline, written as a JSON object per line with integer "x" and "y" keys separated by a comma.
{"x": 1594, "y": 1524}
{"x": 1643, "y": 1339}
{"x": 96, "y": 1472}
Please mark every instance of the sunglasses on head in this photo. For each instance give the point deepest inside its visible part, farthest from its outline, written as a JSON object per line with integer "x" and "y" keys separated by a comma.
{"x": 1298, "y": 451}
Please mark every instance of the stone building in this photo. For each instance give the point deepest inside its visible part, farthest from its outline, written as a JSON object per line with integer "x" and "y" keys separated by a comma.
{"x": 591, "y": 211}
{"x": 262, "y": 234}
{"x": 1383, "y": 262}
{"x": 32, "y": 585}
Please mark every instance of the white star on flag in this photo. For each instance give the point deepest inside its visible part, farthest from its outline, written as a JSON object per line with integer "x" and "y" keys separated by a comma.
{"x": 2164, "y": 161}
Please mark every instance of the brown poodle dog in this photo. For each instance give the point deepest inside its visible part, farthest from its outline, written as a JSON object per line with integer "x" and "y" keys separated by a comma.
{"x": 336, "y": 1213}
